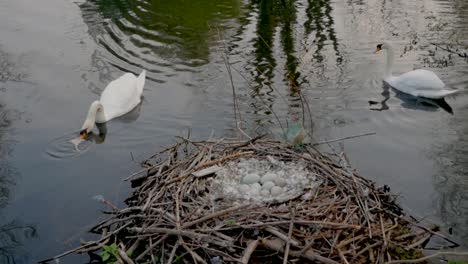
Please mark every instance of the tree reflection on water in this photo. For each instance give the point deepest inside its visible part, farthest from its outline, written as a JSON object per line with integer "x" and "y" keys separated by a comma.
{"x": 273, "y": 17}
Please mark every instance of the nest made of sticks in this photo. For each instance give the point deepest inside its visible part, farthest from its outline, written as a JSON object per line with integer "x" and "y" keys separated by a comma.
{"x": 172, "y": 217}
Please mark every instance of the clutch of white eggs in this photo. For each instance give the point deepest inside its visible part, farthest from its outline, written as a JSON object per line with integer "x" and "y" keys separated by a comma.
{"x": 263, "y": 180}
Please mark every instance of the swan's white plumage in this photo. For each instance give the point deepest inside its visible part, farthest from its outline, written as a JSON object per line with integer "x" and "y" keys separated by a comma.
{"x": 422, "y": 83}
{"x": 122, "y": 95}
{"x": 118, "y": 98}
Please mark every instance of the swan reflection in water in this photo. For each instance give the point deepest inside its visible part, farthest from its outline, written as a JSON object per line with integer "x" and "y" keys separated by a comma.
{"x": 410, "y": 102}
{"x": 99, "y": 137}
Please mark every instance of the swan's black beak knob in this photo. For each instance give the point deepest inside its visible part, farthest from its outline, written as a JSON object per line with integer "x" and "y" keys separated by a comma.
{"x": 83, "y": 134}
{"x": 379, "y": 48}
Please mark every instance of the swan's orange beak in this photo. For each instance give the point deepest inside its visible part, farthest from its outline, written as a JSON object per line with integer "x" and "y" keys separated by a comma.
{"x": 83, "y": 134}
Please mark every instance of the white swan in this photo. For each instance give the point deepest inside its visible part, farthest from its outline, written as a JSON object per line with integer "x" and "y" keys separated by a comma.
{"x": 420, "y": 82}
{"x": 119, "y": 98}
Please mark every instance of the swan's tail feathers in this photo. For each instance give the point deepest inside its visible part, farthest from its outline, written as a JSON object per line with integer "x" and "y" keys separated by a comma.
{"x": 452, "y": 92}
{"x": 140, "y": 82}
{"x": 431, "y": 94}
{"x": 445, "y": 93}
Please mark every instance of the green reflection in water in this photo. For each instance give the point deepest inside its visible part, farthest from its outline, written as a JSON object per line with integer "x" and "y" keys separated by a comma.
{"x": 279, "y": 32}
{"x": 179, "y": 28}
{"x": 265, "y": 29}
{"x": 280, "y": 17}
{"x": 320, "y": 22}
{"x": 273, "y": 14}
{"x": 287, "y": 40}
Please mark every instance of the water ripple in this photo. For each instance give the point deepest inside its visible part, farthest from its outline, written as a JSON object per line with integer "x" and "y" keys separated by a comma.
{"x": 139, "y": 35}
{"x": 64, "y": 147}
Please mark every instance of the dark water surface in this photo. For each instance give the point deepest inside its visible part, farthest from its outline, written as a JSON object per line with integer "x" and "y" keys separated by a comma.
{"x": 57, "y": 56}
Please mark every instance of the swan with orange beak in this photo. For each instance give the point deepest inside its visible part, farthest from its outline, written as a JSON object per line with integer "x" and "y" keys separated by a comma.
{"x": 420, "y": 82}
{"x": 117, "y": 99}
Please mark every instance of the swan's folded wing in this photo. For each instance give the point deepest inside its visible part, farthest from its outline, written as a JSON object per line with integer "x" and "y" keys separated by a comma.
{"x": 120, "y": 96}
{"x": 420, "y": 83}
{"x": 434, "y": 94}
{"x": 420, "y": 79}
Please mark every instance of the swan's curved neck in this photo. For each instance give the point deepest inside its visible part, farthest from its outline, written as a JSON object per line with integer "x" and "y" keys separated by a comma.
{"x": 95, "y": 113}
{"x": 389, "y": 65}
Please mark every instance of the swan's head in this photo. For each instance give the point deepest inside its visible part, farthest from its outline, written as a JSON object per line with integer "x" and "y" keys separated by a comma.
{"x": 90, "y": 121}
{"x": 382, "y": 46}
{"x": 88, "y": 125}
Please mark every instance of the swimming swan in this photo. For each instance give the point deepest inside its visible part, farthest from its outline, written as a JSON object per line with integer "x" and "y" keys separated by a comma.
{"x": 119, "y": 98}
{"x": 420, "y": 82}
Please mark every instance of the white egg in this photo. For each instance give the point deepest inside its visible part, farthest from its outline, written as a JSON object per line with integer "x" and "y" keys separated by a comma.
{"x": 244, "y": 188}
{"x": 254, "y": 192}
{"x": 251, "y": 178}
{"x": 268, "y": 177}
{"x": 264, "y": 192}
{"x": 276, "y": 190}
{"x": 280, "y": 182}
{"x": 268, "y": 185}
{"x": 256, "y": 186}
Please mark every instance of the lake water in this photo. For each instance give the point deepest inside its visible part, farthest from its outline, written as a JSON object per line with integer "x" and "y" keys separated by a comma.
{"x": 56, "y": 57}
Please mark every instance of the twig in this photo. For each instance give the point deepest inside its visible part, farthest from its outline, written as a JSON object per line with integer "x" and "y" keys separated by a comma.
{"x": 385, "y": 244}
{"x": 453, "y": 253}
{"x": 251, "y": 246}
{"x": 138, "y": 173}
{"x": 463, "y": 55}
{"x": 223, "y": 159}
{"x": 277, "y": 245}
{"x": 288, "y": 243}
{"x": 346, "y": 242}
{"x": 339, "y": 139}
{"x": 124, "y": 256}
{"x": 158, "y": 230}
{"x": 151, "y": 247}
{"x": 84, "y": 246}
{"x": 173, "y": 251}
{"x": 282, "y": 236}
{"x": 213, "y": 215}
{"x": 194, "y": 254}
{"x": 421, "y": 232}
{"x": 426, "y": 229}
{"x": 419, "y": 242}
{"x": 342, "y": 256}
{"x": 366, "y": 249}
